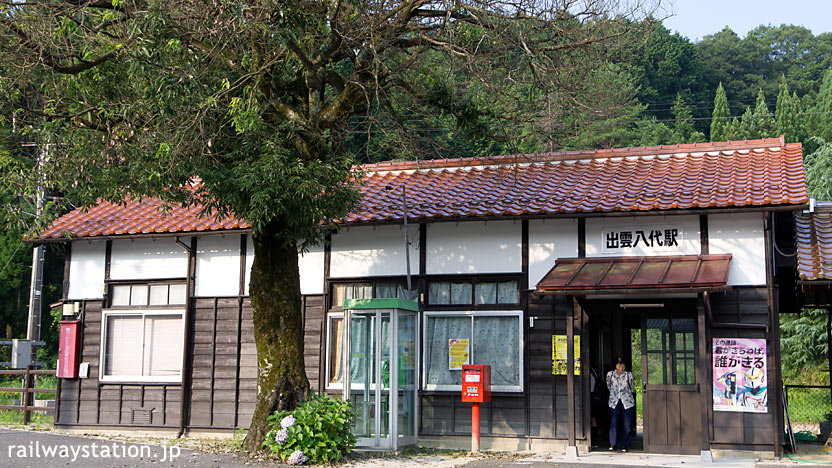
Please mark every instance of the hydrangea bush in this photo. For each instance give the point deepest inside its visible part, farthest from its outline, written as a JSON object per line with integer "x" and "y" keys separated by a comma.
{"x": 318, "y": 431}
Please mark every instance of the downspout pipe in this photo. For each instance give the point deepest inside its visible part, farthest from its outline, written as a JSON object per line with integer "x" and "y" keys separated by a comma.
{"x": 191, "y": 250}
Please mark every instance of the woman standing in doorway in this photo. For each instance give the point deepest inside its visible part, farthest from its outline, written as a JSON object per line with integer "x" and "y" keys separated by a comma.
{"x": 622, "y": 405}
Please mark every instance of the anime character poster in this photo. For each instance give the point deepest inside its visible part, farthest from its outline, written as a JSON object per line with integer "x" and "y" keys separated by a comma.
{"x": 740, "y": 380}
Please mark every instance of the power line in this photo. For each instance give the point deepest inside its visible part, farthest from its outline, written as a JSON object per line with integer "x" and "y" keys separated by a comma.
{"x": 10, "y": 258}
{"x": 612, "y": 119}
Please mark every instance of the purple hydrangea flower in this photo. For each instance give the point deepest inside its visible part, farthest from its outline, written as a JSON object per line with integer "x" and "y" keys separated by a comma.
{"x": 287, "y": 422}
{"x": 281, "y": 436}
{"x": 297, "y": 458}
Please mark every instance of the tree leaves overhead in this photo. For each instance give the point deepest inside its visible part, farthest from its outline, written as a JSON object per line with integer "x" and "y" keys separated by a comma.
{"x": 142, "y": 97}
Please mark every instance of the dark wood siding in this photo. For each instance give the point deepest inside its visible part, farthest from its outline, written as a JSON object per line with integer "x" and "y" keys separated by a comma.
{"x": 223, "y": 384}
{"x": 747, "y": 306}
{"x": 313, "y": 339}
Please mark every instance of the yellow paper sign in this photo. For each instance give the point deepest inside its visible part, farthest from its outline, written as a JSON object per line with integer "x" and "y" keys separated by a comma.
{"x": 559, "y": 354}
{"x": 457, "y": 353}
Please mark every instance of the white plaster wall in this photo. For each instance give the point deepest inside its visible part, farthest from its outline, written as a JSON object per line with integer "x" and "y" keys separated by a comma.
{"x": 249, "y": 261}
{"x": 311, "y": 266}
{"x": 86, "y": 270}
{"x": 373, "y": 251}
{"x": 688, "y": 245}
{"x": 742, "y": 235}
{"x": 217, "y": 266}
{"x": 549, "y": 240}
{"x": 148, "y": 258}
{"x": 474, "y": 247}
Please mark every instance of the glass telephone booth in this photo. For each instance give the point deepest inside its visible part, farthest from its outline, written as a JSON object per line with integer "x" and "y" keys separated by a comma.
{"x": 381, "y": 356}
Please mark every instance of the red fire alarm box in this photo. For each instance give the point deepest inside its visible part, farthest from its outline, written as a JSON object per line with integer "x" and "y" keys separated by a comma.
{"x": 68, "y": 349}
{"x": 476, "y": 383}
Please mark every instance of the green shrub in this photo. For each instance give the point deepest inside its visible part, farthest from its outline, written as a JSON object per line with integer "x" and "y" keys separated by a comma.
{"x": 317, "y": 430}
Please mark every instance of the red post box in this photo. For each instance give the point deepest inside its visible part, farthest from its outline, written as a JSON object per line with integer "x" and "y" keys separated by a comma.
{"x": 476, "y": 383}
{"x": 476, "y": 389}
{"x": 68, "y": 349}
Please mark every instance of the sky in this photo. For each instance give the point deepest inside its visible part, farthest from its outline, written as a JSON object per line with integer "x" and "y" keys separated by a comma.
{"x": 697, "y": 18}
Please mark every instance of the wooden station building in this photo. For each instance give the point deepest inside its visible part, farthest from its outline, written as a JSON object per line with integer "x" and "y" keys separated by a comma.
{"x": 544, "y": 266}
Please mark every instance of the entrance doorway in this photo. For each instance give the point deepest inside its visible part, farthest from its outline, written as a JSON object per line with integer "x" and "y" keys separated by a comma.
{"x": 670, "y": 392}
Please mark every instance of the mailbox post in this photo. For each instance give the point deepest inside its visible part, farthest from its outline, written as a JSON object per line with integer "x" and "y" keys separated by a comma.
{"x": 476, "y": 389}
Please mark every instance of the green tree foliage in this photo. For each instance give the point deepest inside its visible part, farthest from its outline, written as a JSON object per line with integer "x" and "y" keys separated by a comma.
{"x": 821, "y": 114}
{"x": 818, "y": 168}
{"x": 762, "y": 58}
{"x": 669, "y": 66}
{"x": 803, "y": 343}
{"x": 788, "y": 120}
{"x": 720, "y": 123}
{"x": 763, "y": 124}
{"x": 683, "y": 126}
{"x": 256, "y": 99}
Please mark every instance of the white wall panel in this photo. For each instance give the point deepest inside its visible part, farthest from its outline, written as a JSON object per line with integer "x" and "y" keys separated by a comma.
{"x": 474, "y": 247}
{"x": 373, "y": 251}
{"x": 217, "y": 266}
{"x": 86, "y": 270}
{"x": 148, "y": 258}
{"x": 311, "y": 266}
{"x": 249, "y": 260}
{"x": 741, "y": 235}
{"x": 688, "y": 239}
{"x": 550, "y": 239}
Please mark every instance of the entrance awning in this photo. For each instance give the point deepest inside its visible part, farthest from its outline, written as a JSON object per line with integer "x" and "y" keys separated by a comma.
{"x": 636, "y": 274}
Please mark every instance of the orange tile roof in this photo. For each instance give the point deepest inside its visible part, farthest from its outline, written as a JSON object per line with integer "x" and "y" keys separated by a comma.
{"x": 814, "y": 244}
{"x": 700, "y": 175}
{"x": 145, "y": 217}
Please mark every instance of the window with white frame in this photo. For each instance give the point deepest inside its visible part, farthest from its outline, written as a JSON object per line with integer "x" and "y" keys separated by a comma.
{"x": 142, "y": 333}
{"x": 487, "y": 337}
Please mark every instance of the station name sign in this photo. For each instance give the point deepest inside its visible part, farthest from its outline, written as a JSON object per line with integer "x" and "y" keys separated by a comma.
{"x": 617, "y": 240}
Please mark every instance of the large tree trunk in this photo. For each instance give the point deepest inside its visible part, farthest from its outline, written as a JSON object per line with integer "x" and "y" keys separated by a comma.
{"x": 278, "y": 331}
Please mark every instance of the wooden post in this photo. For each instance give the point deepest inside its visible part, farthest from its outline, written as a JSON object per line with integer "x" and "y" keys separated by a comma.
{"x": 570, "y": 373}
{"x": 27, "y": 394}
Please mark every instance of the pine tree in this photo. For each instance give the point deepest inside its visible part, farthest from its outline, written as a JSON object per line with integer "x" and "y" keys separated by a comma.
{"x": 719, "y": 123}
{"x": 763, "y": 126}
{"x": 746, "y": 130}
{"x": 783, "y": 117}
{"x": 799, "y": 119}
{"x": 822, "y": 112}
{"x": 683, "y": 129}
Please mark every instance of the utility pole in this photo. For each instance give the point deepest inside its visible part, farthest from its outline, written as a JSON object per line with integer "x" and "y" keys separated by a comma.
{"x": 36, "y": 288}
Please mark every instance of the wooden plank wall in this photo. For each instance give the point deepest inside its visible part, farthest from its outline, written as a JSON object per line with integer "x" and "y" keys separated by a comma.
{"x": 743, "y": 431}
{"x": 314, "y": 348}
{"x": 223, "y": 383}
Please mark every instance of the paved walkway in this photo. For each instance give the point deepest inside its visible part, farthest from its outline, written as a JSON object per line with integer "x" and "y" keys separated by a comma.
{"x": 27, "y": 449}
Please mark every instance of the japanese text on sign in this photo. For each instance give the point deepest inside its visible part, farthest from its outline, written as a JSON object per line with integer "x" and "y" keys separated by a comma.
{"x": 658, "y": 237}
{"x": 457, "y": 353}
{"x": 559, "y": 354}
{"x": 739, "y": 373}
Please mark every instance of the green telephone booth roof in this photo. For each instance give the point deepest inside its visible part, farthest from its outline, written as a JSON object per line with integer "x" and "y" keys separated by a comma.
{"x": 391, "y": 303}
